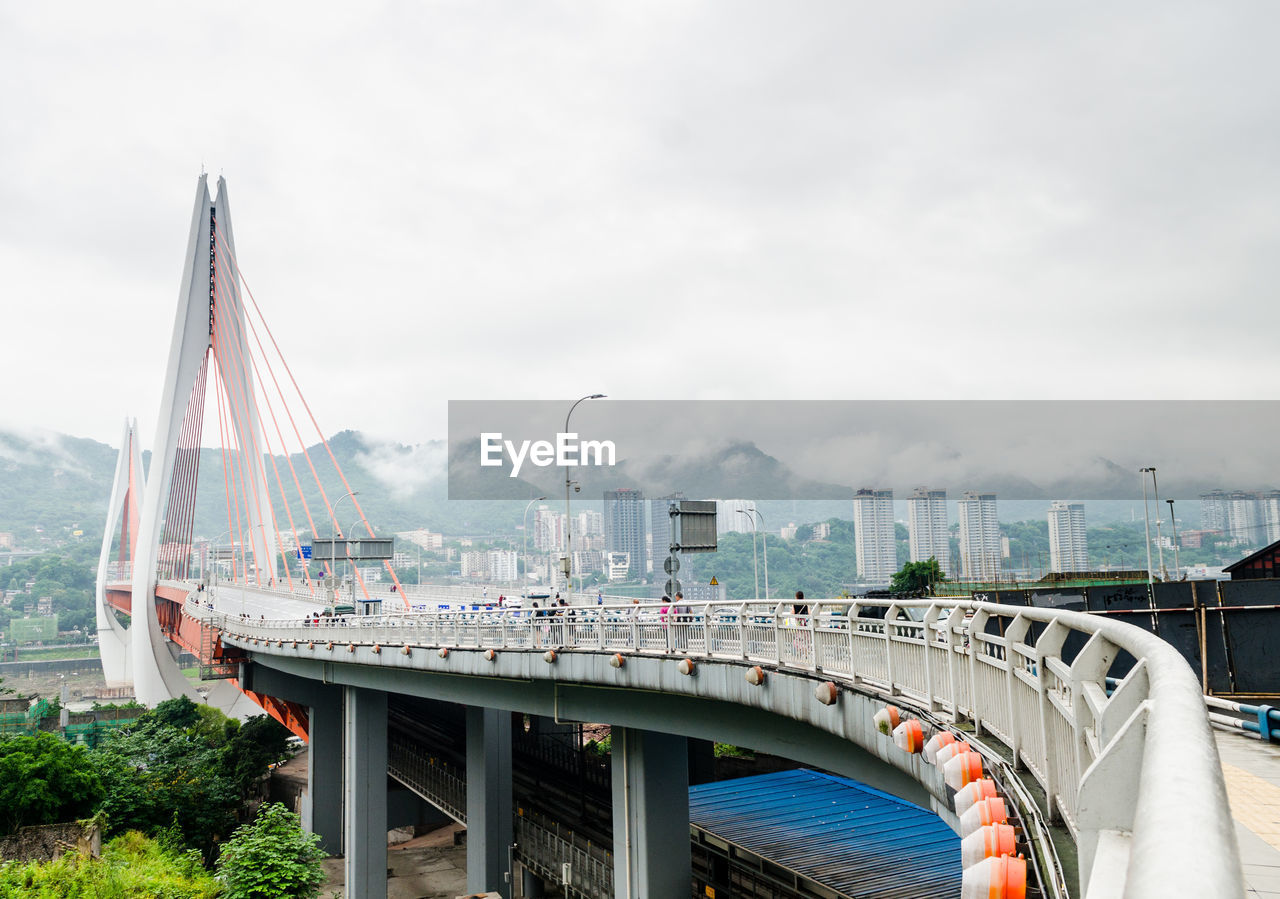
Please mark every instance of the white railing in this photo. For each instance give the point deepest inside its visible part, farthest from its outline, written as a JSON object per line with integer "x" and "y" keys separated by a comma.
{"x": 1133, "y": 775}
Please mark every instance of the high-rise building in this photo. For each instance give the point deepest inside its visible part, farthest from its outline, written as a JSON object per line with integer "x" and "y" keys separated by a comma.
{"x": 1068, "y": 548}
{"x": 1243, "y": 525}
{"x": 734, "y": 516}
{"x": 927, "y": 530}
{"x": 980, "y": 551}
{"x": 502, "y": 565}
{"x": 548, "y": 530}
{"x": 624, "y": 529}
{"x": 873, "y": 535}
{"x": 1269, "y": 513}
{"x": 1214, "y": 511}
{"x": 589, "y": 524}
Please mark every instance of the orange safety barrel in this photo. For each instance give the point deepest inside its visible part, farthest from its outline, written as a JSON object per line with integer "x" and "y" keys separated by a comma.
{"x": 996, "y": 878}
{"x": 887, "y": 719}
{"x": 962, "y": 770}
{"x": 947, "y": 753}
{"x": 979, "y": 789}
{"x": 939, "y": 740}
{"x": 909, "y": 735}
{"x": 991, "y": 841}
{"x": 983, "y": 812}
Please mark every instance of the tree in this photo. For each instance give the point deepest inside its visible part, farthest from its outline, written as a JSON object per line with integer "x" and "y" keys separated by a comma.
{"x": 917, "y": 577}
{"x": 45, "y": 780}
{"x": 271, "y": 857}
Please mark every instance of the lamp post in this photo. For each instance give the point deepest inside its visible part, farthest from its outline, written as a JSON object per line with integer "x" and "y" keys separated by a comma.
{"x": 568, "y": 521}
{"x": 1146, "y": 517}
{"x": 525, "y": 555}
{"x": 755, "y": 565}
{"x": 1164, "y": 574}
{"x": 764, "y": 541}
{"x": 1177, "y": 563}
{"x": 333, "y": 544}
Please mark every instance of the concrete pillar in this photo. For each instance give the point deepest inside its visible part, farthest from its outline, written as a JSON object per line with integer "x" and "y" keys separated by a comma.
{"x": 323, "y": 807}
{"x": 365, "y": 796}
{"x": 489, "y": 825}
{"x": 650, "y": 814}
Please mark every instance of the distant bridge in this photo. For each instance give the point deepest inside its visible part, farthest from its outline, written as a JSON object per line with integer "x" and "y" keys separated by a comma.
{"x": 1120, "y": 774}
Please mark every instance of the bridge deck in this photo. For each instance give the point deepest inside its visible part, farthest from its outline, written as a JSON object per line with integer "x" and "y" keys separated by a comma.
{"x": 1252, "y": 772}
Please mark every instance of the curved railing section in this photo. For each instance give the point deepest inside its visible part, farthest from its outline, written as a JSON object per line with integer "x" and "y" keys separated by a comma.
{"x": 1131, "y": 770}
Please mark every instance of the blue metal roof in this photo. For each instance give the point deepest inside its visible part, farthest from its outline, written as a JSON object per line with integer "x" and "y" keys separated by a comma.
{"x": 837, "y": 832}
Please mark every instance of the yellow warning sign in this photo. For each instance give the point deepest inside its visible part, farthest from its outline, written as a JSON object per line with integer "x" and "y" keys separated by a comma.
{"x": 714, "y": 582}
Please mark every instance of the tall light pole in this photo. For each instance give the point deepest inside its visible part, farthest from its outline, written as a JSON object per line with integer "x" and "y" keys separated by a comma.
{"x": 1146, "y": 517}
{"x": 333, "y": 544}
{"x": 1164, "y": 574}
{"x": 764, "y": 541}
{"x": 1177, "y": 563}
{"x": 568, "y": 521}
{"x": 755, "y": 564}
{"x": 525, "y": 583}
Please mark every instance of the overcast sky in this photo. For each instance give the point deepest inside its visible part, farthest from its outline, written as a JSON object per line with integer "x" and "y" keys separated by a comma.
{"x": 657, "y": 200}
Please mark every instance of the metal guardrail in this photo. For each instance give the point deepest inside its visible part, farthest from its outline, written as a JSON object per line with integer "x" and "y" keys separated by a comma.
{"x": 541, "y": 845}
{"x": 1261, "y": 721}
{"x": 1133, "y": 775}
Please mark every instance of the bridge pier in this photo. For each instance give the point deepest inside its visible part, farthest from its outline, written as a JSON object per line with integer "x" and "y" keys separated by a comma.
{"x": 365, "y": 797}
{"x": 650, "y": 814}
{"x": 323, "y": 811}
{"x": 489, "y": 827}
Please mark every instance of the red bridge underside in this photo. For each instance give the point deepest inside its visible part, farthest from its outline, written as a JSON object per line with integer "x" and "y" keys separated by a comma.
{"x": 205, "y": 643}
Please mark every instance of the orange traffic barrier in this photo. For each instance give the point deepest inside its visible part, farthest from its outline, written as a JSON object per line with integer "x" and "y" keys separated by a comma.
{"x": 991, "y": 841}
{"x": 937, "y": 742}
{"x": 996, "y": 878}
{"x": 983, "y": 812}
{"x": 962, "y": 770}
{"x": 909, "y": 736}
{"x": 950, "y": 751}
{"x": 979, "y": 789}
{"x": 887, "y": 719}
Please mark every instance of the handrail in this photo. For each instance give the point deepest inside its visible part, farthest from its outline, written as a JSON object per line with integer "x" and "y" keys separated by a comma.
{"x": 1133, "y": 775}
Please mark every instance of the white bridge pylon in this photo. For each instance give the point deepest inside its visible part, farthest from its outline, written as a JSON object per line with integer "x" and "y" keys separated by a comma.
{"x": 210, "y": 323}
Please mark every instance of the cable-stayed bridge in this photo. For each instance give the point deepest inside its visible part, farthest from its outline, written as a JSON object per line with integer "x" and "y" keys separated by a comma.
{"x": 1092, "y": 735}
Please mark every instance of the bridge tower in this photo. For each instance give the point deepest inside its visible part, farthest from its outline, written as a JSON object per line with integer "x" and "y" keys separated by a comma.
{"x": 210, "y": 325}
{"x": 122, "y": 513}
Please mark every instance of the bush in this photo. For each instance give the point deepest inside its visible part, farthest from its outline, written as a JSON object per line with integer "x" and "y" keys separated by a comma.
{"x": 271, "y": 857}
{"x": 45, "y": 780}
{"x": 131, "y": 867}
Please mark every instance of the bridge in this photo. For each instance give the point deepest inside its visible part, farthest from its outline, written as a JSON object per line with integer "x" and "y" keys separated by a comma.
{"x": 1092, "y": 733}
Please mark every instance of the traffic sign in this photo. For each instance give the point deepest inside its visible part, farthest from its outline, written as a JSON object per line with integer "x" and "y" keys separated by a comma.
{"x": 671, "y": 565}
{"x": 673, "y": 587}
{"x": 714, "y": 582}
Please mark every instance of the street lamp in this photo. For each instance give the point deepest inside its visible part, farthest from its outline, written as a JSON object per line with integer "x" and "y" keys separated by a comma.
{"x": 764, "y": 541}
{"x": 525, "y": 554}
{"x": 1146, "y": 517}
{"x": 1164, "y": 574}
{"x": 333, "y": 544}
{"x": 755, "y": 564}
{"x": 568, "y": 521}
{"x": 1177, "y": 563}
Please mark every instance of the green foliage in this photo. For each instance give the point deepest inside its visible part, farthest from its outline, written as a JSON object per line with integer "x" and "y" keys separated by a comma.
{"x": 131, "y": 867}
{"x": 917, "y": 577}
{"x": 602, "y": 747}
{"x": 178, "y": 766}
{"x": 723, "y": 750}
{"x": 257, "y": 744}
{"x": 45, "y": 780}
{"x": 271, "y": 857}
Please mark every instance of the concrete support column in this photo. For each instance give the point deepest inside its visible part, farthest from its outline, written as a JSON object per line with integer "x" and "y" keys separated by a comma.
{"x": 650, "y": 814}
{"x": 323, "y": 808}
{"x": 365, "y": 796}
{"x": 489, "y": 825}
